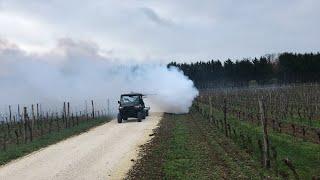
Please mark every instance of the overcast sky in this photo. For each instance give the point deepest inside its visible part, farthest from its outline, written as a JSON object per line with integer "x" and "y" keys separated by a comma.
{"x": 165, "y": 30}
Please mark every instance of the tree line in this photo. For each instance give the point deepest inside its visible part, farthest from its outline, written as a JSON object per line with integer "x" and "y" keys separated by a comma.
{"x": 270, "y": 69}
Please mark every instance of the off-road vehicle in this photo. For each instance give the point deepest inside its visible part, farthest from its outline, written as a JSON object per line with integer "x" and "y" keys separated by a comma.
{"x": 132, "y": 106}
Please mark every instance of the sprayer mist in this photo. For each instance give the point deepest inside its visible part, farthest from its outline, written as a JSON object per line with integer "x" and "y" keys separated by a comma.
{"x": 76, "y": 72}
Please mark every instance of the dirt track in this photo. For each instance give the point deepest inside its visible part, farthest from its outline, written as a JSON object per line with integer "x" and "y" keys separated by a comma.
{"x": 104, "y": 152}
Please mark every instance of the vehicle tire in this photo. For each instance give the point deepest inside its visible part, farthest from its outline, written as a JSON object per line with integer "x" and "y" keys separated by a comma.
{"x": 144, "y": 115}
{"x": 147, "y": 113}
{"x": 140, "y": 116}
{"x": 119, "y": 118}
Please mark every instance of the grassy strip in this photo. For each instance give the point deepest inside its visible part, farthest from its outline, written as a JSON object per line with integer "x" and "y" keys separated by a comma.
{"x": 304, "y": 155}
{"x": 16, "y": 151}
{"x": 173, "y": 154}
{"x": 240, "y": 164}
{"x": 188, "y": 156}
{"x": 184, "y": 148}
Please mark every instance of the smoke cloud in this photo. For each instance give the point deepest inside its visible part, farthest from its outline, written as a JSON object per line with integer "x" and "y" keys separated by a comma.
{"x": 77, "y": 71}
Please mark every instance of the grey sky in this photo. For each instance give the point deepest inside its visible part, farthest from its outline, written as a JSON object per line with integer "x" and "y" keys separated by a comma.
{"x": 165, "y": 30}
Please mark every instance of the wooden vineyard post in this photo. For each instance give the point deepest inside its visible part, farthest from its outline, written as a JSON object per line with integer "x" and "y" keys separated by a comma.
{"x": 303, "y": 131}
{"x": 65, "y": 115}
{"x": 108, "y": 107}
{"x": 68, "y": 115}
{"x": 19, "y": 115}
{"x": 50, "y": 123}
{"x": 10, "y": 120}
{"x": 57, "y": 120}
{"x": 10, "y": 114}
{"x": 210, "y": 104}
{"x": 72, "y": 118}
{"x": 33, "y": 116}
{"x": 92, "y": 109}
{"x": 77, "y": 118}
{"x": 266, "y": 153}
{"x": 37, "y": 111}
{"x": 19, "y": 126}
{"x": 47, "y": 120}
{"x": 225, "y": 116}
{"x": 17, "y": 136}
{"x": 8, "y": 126}
{"x": 86, "y": 107}
{"x": 37, "y": 119}
{"x": 25, "y": 118}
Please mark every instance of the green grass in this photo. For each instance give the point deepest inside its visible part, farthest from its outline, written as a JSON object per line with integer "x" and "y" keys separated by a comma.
{"x": 304, "y": 155}
{"x": 199, "y": 152}
{"x": 295, "y": 119}
{"x": 187, "y": 147}
{"x": 183, "y": 160}
{"x": 179, "y": 158}
{"x": 16, "y": 151}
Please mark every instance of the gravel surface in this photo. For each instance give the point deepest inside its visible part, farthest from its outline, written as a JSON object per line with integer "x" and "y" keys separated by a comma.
{"x": 105, "y": 152}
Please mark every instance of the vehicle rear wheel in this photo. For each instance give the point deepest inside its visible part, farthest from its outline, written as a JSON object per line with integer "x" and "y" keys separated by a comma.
{"x": 119, "y": 118}
{"x": 140, "y": 116}
{"x": 144, "y": 115}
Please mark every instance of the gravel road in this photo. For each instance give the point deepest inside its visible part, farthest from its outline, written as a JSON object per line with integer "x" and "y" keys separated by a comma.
{"x": 105, "y": 152}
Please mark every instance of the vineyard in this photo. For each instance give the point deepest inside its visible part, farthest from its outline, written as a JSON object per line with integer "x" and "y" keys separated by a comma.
{"x": 29, "y": 128}
{"x": 278, "y": 126}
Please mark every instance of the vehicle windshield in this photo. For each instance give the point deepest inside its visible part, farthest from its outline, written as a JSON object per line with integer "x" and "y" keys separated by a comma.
{"x": 129, "y": 100}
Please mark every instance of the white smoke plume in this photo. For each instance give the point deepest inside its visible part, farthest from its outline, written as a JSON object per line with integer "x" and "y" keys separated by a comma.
{"x": 77, "y": 72}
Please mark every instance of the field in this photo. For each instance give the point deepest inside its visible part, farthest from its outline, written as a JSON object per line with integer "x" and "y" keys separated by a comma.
{"x": 290, "y": 116}
{"x": 248, "y": 133}
{"x": 266, "y": 133}
{"x": 29, "y": 130}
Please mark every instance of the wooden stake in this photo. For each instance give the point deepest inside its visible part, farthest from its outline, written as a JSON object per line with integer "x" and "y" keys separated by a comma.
{"x": 266, "y": 153}
{"x": 25, "y": 118}
{"x": 65, "y": 114}
{"x": 225, "y": 116}
{"x": 77, "y": 118}
{"x": 92, "y": 109}
{"x": 19, "y": 115}
{"x": 37, "y": 111}
{"x": 68, "y": 114}
{"x": 210, "y": 104}
{"x": 108, "y": 107}
{"x": 17, "y": 137}
{"x": 33, "y": 116}
{"x": 57, "y": 120}
{"x": 10, "y": 114}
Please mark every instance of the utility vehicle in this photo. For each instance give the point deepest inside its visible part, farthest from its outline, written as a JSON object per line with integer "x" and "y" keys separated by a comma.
{"x": 132, "y": 106}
